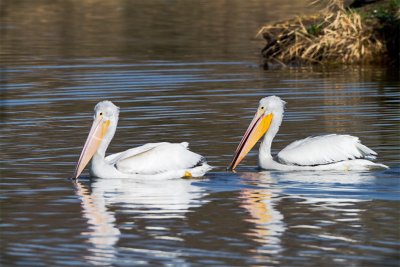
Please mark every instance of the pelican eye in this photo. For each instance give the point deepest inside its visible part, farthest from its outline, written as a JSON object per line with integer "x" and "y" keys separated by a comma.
{"x": 101, "y": 114}
{"x": 262, "y": 107}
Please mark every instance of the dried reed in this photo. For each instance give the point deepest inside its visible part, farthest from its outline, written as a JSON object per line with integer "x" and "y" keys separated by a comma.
{"x": 336, "y": 35}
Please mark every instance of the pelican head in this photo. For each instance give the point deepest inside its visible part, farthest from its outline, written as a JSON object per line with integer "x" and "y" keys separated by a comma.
{"x": 268, "y": 116}
{"x": 100, "y": 135}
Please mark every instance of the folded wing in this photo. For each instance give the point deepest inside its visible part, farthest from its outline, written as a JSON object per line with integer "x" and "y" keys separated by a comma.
{"x": 324, "y": 149}
{"x": 156, "y": 158}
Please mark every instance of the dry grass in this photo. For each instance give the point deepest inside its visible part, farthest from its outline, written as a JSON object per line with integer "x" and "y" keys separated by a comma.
{"x": 335, "y": 35}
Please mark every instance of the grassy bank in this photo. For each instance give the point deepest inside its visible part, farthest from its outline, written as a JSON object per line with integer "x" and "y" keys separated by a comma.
{"x": 337, "y": 35}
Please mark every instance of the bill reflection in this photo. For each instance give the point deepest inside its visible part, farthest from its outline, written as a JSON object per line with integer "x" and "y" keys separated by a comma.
{"x": 261, "y": 204}
{"x": 102, "y": 233}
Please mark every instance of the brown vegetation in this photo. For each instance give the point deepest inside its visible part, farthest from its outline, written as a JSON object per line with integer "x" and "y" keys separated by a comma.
{"x": 336, "y": 35}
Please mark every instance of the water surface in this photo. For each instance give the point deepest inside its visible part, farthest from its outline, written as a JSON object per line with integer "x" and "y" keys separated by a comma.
{"x": 178, "y": 80}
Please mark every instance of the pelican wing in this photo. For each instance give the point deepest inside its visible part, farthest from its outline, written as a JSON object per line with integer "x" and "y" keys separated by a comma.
{"x": 114, "y": 158}
{"x": 156, "y": 158}
{"x": 324, "y": 149}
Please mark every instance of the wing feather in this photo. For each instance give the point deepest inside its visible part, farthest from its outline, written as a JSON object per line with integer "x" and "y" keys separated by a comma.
{"x": 156, "y": 158}
{"x": 324, "y": 149}
{"x": 114, "y": 158}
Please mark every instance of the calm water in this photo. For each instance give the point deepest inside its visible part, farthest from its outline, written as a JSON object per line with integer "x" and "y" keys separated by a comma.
{"x": 184, "y": 71}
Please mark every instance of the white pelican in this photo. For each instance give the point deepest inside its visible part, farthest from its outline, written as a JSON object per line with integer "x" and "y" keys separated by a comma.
{"x": 153, "y": 160}
{"x": 326, "y": 152}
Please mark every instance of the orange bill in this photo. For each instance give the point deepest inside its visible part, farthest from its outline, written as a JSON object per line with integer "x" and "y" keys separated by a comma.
{"x": 96, "y": 135}
{"x": 257, "y": 128}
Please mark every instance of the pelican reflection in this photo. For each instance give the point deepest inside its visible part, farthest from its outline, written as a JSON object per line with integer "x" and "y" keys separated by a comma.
{"x": 143, "y": 201}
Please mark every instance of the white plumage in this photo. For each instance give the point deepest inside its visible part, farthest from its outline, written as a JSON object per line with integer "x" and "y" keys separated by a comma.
{"x": 151, "y": 161}
{"x": 157, "y": 158}
{"x": 326, "y": 152}
{"x": 324, "y": 149}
